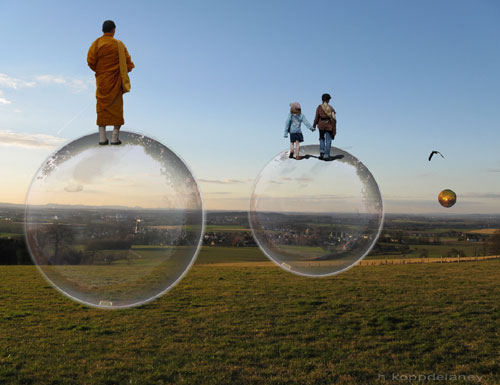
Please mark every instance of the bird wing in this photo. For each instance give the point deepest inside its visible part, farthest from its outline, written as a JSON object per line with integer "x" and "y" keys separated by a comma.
{"x": 435, "y": 152}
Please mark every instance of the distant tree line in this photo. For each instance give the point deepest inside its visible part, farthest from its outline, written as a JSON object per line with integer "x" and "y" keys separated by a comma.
{"x": 405, "y": 239}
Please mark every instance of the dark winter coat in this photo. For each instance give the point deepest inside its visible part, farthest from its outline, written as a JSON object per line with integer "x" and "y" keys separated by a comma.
{"x": 324, "y": 122}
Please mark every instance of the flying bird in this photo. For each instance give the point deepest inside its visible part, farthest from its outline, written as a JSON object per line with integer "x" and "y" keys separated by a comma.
{"x": 435, "y": 152}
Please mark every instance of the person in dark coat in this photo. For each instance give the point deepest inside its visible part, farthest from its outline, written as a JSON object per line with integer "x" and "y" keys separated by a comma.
{"x": 326, "y": 121}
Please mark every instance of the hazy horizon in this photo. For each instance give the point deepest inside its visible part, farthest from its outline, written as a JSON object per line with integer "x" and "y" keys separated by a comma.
{"x": 22, "y": 206}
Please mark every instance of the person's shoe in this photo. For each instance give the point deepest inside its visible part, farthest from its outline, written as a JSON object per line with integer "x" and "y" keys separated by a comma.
{"x": 104, "y": 143}
{"x": 291, "y": 154}
{"x": 320, "y": 156}
{"x": 116, "y": 143}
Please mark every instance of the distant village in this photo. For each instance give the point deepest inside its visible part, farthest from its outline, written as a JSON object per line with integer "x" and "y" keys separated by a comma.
{"x": 118, "y": 229}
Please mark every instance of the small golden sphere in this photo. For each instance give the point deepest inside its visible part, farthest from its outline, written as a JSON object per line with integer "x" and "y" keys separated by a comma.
{"x": 447, "y": 198}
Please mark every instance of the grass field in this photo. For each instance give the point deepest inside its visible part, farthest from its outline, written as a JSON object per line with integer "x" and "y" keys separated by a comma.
{"x": 211, "y": 255}
{"x": 210, "y": 228}
{"x": 260, "y": 325}
{"x": 435, "y": 251}
{"x": 485, "y": 231}
{"x": 11, "y": 235}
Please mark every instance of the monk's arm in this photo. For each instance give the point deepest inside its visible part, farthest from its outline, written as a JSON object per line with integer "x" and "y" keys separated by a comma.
{"x": 130, "y": 65}
{"x": 91, "y": 57}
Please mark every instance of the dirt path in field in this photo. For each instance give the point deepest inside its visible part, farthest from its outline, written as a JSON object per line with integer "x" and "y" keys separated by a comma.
{"x": 365, "y": 262}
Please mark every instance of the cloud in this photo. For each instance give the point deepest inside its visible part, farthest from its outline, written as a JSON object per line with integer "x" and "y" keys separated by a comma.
{"x": 9, "y": 138}
{"x": 305, "y": 198}
{"x": 47, "y": 80}
{"x": 51, "y": 79}
{"x": 410, "y": 202}
{"x": 218, "y": 193}
{"x": 489, "y": 195}
{"x": 494, "y": 170}
{"x": 300, "y": 180}
{"x": 297, "y": 179}
{"x": 14, "y": 83}
{"x": 93, "y": 167}
{"x": 73, "y": 188}
{"x": 76, "y": 84}
{"x": 4, "y": 100}
{"x": 303, "y": 179}
{"x": 225, "y": 181}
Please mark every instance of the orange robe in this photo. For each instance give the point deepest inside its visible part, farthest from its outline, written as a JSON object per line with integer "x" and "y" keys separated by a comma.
{"x": 103, "y": 59}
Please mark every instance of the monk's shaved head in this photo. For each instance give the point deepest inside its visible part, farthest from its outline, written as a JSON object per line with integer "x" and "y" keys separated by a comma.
{"x": 108, "y": 26}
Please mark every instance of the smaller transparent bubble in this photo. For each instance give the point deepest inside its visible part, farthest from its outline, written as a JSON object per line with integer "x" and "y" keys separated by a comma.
{"x": 114, "y": 226}
{"x": 313, "y": 217}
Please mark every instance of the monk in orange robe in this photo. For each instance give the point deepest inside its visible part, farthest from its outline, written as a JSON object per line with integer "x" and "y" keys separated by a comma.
{"x": 103, "y": 59}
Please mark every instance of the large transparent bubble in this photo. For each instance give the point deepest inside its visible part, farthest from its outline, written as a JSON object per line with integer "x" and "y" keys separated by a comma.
{"x": 114, "y": 226}
{"x": 315, "y": 217}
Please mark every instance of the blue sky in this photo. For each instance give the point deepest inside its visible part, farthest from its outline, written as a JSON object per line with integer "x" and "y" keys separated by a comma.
{"x": 213, "y": 81}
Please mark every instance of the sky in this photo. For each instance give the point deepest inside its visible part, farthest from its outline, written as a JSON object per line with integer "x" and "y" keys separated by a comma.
{"x": 213, "y": 82}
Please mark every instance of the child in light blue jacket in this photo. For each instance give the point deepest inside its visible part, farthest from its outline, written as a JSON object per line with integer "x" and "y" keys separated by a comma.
{"x": 292, "y": 126}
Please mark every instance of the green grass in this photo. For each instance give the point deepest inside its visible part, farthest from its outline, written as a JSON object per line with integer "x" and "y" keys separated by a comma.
{"x": 435, "y": 251}
{"x": 295, "y": 252}
{"x": 11, "y": 235}
{"x": 222, "y": 228}
{"x": 11, "y": 227}
{"x": 458, "y": 227}
{"x": 227, "y": 325}
{"x": 209, "y": 255}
